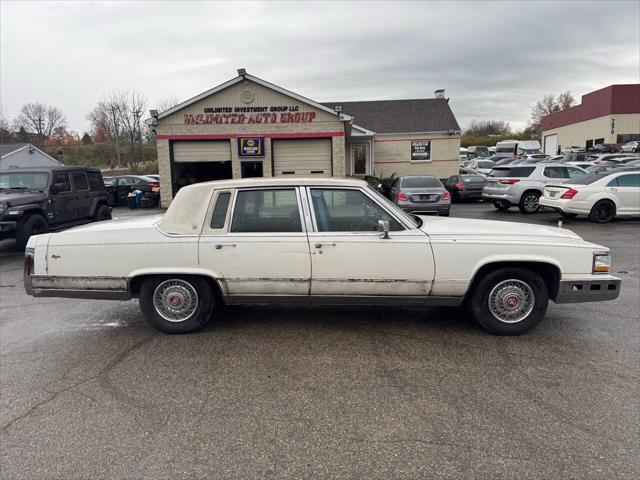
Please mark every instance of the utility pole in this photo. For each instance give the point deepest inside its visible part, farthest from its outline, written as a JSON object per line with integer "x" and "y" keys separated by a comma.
{"x": 136, "y": 117}
{"x": 115, "y": 127}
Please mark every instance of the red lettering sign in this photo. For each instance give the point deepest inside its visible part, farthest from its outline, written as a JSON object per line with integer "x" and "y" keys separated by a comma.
{"x": 252, "y": 118}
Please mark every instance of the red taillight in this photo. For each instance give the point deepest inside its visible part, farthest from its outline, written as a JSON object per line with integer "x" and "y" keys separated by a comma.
{"x": 154, "y": 184}
{"x": 569, "y": 194}
{"x": 401, "y": 196}
{"x": 459, "y": 186}
{"x": 28, "y": 264}
{"x": 509, "y": 181}
{"x": 446, "y": 196}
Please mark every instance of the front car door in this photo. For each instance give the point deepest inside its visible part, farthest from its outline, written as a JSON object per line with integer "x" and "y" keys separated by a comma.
{"x": 63, "y": 199}
{"x": 255, "y": 238}
{"x": 349, "y": 257}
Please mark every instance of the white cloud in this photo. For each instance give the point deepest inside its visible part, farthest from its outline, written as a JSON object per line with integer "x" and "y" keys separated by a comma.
{"x": 495, "y": 59}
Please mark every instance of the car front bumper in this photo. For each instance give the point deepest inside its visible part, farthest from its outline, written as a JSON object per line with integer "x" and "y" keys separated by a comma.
{"x": 588, "y": 288}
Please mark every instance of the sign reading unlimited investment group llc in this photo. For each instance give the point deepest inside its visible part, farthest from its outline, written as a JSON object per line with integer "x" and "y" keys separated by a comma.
{"x": 249, "y": 115}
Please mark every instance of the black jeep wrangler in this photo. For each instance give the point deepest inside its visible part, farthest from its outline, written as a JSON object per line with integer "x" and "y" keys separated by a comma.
{"x": 36, "y": 200}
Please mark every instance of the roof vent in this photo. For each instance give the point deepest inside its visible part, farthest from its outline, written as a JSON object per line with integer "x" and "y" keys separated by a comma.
{"x": 439, "y": 93}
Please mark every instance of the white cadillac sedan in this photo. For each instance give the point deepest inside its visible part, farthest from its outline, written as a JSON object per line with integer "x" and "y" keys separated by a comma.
{"x": 316, "y": 240}
{"x": 600, "y": 196}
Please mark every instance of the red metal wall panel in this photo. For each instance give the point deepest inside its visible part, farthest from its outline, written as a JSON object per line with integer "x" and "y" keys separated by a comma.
{"x": 606, "y": 101}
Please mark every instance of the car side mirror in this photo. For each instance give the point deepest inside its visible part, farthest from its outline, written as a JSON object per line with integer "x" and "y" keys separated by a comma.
{"x": 383, "y": 228}
{"x": 56, "y": 188}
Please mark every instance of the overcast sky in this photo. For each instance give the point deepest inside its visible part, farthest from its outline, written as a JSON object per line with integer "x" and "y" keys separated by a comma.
{"x": 495, "y": 59}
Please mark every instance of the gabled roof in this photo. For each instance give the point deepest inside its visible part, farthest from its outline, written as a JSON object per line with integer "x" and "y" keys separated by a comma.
{"x": 432, "y": 115}
{"x": 7, "y": 148}
{"x": 257, "y": 80}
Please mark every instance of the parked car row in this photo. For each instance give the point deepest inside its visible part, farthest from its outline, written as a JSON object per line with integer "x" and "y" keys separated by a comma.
{"x": 119, "y": 188}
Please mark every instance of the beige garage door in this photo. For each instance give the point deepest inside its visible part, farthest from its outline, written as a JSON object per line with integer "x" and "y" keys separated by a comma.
{"x": 201, "y": 151}
{"x": 310, "y": 156}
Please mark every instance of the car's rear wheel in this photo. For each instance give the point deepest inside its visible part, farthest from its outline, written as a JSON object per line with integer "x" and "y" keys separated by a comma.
{"x": 602, "y": 212}
{"x": 502, "y": 206}
{"x": 530, "y": 202}
{"x": 509, "y": 301}
{"x": 32, "y": 225}
{"x": 177, "y": 304}
{"x": 102, "y": 213}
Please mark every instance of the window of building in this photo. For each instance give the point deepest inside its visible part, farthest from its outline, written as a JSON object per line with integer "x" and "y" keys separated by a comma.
{"x": 589, "y": 144}
{"x": 266, "y": 211}
{"x": 342, "y": 210}
{"x": 628, "y": 137}
{"x": 598, "y": 141}
{"x": 79, "y": 181}
{"x": 220, "y": 210}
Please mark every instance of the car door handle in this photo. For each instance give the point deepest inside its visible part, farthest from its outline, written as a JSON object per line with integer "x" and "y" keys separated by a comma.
{"x": 613, "y": 189}
{"x": 220, "y": 245}
{"x": 320, "y": 245}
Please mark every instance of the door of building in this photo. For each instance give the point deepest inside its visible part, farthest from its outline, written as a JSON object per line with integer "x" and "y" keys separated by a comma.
{"x": 251, "y": 169}
{"x": 360, "y": 159}
{"x": 309, "y": 156}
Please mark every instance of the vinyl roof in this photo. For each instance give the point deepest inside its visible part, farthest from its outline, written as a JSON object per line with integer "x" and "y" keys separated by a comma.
{"x": 401, "y": 116}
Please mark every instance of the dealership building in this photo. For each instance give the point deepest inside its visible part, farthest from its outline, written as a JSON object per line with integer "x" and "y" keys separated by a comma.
{"x": 609, "y": 115}
{"x": 248, "y": 127}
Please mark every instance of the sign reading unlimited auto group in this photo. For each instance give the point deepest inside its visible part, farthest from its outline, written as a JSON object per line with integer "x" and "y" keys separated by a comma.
{"x": 249, "y": 115}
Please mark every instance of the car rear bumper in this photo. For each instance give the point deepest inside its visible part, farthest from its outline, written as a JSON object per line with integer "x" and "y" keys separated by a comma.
{"x": 590, "y": 288}
{"x": 426, "y": 208}
{"x": 566, "y": 206}
{"x": 95, "y": 288}
{"x": 492, "y": 197}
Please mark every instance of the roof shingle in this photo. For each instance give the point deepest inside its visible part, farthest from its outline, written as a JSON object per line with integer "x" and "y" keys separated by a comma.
{"x": 401, "y": 116}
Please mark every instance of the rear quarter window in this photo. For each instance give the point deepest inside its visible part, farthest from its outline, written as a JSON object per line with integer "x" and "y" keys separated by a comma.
{"x": 95, "y": 181}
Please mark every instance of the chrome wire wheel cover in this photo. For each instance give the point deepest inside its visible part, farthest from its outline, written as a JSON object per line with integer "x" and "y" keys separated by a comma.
{"x": 511, "y": 301}
{"x": 531, "y": 203}
{"x": 175, "y": 300}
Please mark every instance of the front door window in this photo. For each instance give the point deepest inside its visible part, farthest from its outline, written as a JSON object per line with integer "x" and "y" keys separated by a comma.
{"x": 360, "y": 158}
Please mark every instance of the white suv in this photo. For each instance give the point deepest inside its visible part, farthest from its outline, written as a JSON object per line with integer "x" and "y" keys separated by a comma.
{"x": 522, "y": 185}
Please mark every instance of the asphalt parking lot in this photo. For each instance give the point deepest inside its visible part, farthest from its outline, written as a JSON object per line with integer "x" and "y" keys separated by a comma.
{"x": 89, "y": 390}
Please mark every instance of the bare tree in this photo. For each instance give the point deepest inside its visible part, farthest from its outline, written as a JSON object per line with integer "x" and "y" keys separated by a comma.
{"x": 167, "y": 103}
{"x": 131, "y": 106}
{"x": 5, "y": 127}
{"x": 482, "y": 128}
{"x": 547, "y": 105}
{"x": 39, "y": 118}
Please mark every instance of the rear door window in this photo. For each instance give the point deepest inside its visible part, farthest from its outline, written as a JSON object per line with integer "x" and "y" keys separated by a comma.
{"x": 556, "y": 172}
{"x": 266, "y": 211}
{"x": 95, "y": 181}
{"x": 632, "y": 180}
{"x": 79, "y": 181}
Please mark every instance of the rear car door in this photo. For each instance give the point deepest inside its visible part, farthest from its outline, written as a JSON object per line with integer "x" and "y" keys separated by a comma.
{"x": 348, "y": 255}
{"x": 256, "y": 239}
{"x": 62, "y": 199}
{"x": 82, "y": 197}
{"x": 628, "y": 193}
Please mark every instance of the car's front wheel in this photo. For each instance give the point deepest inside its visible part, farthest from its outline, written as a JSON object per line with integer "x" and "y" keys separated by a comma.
{"x": 32, "y": 225}
{"x": 509, "y": 301}
{"x": 177, "y": 304}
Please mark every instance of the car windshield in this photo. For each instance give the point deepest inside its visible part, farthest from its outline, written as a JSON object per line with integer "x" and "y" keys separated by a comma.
{"x": 410, "y": 219}
{"x": 26, "y": 180}
{"x": 512, "y": 172}
{"x": 420, "y": 182}
{"x": 486, "y": 164}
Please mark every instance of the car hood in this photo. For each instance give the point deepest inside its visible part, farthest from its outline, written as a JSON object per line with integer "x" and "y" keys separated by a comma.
{"x": 20, "y": 197}
{"x": 470, "y": 228}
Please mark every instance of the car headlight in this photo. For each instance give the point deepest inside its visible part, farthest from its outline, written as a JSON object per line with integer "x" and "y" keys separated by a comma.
{"x": 601, "y": 262}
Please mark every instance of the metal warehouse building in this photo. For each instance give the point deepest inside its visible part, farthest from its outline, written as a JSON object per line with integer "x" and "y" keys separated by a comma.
{"x": 608, "y": 115}
{"x": 248, "y": 127}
